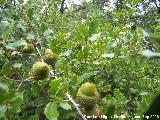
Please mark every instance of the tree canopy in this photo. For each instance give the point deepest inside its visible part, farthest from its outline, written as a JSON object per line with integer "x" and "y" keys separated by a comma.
{"x": 48, "y": 50}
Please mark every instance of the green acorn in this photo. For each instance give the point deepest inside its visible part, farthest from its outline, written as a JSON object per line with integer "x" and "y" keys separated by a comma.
{"x": 49, "y": 57}
{"x": 29, "y": 48}
{"x": 40, "y": 70}
{"x": 87, "y": 95}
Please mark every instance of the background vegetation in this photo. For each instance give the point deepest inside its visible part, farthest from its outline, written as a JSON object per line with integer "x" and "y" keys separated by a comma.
{"x": 95, "y": 41}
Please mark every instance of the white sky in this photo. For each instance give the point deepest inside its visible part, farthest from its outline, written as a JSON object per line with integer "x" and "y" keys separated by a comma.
{"x": 74, "y": 1}
{"x": 78, "y": 1}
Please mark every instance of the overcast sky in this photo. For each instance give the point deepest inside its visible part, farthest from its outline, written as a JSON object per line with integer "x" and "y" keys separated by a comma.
{"x": 78, "y": 1}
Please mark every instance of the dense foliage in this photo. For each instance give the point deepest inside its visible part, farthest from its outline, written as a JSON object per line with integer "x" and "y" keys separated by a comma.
{"x": 94, "y": 42}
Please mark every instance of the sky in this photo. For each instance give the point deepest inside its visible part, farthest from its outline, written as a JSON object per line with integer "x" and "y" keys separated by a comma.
{"x": 78, "y": 1}
{"x": 74, "y": 1}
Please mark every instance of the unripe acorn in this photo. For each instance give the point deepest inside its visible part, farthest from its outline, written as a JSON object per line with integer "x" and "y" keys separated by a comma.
{"x": 87, "y": 95}
{"x": 49, "y": 57}
{"x": 29, "y": 48}
{"x": 40, "y": 70}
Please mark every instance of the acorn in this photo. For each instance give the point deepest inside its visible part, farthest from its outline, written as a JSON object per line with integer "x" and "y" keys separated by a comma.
{"x": 40, "y": 70}
{"x": 29, "y": 48}
{"x": 87, "y": 95}
{"x": 49, "y": 57}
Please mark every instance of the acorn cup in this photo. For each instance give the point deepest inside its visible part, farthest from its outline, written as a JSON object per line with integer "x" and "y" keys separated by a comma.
{"x": 94, "y": 112}
{"x": 49, "y": 57}
{"x": 40, "y": 70}
{"x": 87, "y": 96}
{"x": 29, "y": 48}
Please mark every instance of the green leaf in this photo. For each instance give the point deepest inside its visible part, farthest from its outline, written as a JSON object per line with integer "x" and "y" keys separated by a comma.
{"x": 86, "y": 76}
{"x": 6, "y": 69}
{"x": 94, "y": 37}
{"x": 3, "y": 84}
{"x": 30, "y": 13}
{"x": 153, "y": 108}
{"x": 65, "y": 106}
{"x": 93, "y": 27}
{"x": 36, "y": 89}
{"x": 135, "y": 2}
{"x": 54, "y": 86}
{"x": 51, "y": 111}
{"x": 2, "y": 98}
{"x": 3, "y": 110}
{"x": 120, "y": 97}
{"x": 5, "y": 29}
{"x": 17, "y": 65}
{"x": 16, "y": 101}
{"x": 20, "y": 1}
{"x": 6, "y": 32}
{"x": 143, "y": 105}
{"x": 30, "y": 36}
{"x": 16, "y": 44}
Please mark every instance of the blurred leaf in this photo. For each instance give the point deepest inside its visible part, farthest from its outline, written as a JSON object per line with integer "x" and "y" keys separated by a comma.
{"x": 30, "y": 13}
{"x": 16, "y": 44}
{"x": 3, "y": 110}
{"x": 154, "y": 108}
{"x": 94, "y": 37}
{"x": 3, "y": 84}
{"x": 20, "y": 1}
{"x": 36, "y": 89}
{"x": 65, "y": 106}
{"x": 135, "y": 2}
{"x": 111, "y": 55}
{"x": 30, "y": 36}
{"x": 6, "y": 69}
{"x": 120, "y": 97}
{"x": 51, "y": 111}
{"x": 54, "y": 86}
{"x": 143, "y": 105}
{"x": 16, "y": 101}
{"x": 17, "y": 65}
{"x": 93, "y": 26}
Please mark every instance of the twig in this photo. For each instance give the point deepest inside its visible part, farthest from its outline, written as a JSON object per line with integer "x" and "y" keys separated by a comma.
{"x": 75, "y": 105}
{"x": 6, "y": 78}
{"x": 39, "y": 54}
{"x": 20, "y": 84}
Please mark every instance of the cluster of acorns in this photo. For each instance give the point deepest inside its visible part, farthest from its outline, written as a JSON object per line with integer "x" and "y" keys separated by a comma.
{"x": 87, "y": 96}
{"x": 40, "y": 70}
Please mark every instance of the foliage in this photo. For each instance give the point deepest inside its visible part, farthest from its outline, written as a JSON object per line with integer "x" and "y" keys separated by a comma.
{"x": 94, "y": 44}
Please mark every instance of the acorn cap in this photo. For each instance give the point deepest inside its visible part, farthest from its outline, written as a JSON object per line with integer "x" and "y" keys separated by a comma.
{"x": 95, "y": 110}
{"x": 40, "y": 70}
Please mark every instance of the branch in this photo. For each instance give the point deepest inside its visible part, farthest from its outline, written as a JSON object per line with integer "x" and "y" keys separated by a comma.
{"x": 39, "y": 53}
{"x": 20, "y": 84}
{"x": 62, "y": 9}
{"x": 156, "y": 5}
{"x": 75, "y": 105}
